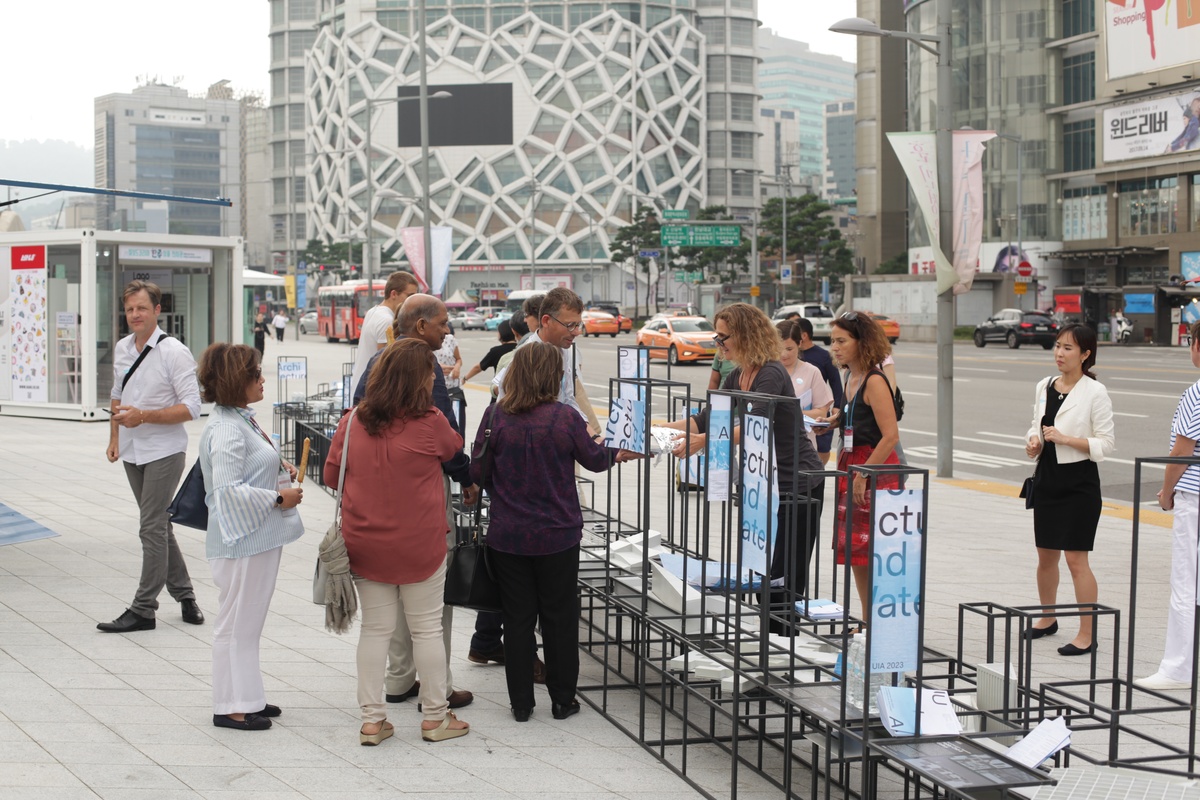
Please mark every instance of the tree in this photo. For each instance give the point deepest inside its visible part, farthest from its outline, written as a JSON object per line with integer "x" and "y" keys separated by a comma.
{"x": 896, "y": 265}
{"x": 727, "y": 261}
{"x": 333, "y": 255}
{"x": 642, "y": 233}
{"x": 811, "y": 232}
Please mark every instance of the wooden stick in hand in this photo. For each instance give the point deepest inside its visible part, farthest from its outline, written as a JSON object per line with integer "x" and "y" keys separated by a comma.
{"x": 303, "y": 460}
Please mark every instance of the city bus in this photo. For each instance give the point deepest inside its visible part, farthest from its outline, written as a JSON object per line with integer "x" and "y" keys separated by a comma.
{"x": 341, "y": 309}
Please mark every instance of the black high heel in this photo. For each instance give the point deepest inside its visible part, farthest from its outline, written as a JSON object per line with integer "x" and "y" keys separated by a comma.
{"x": 1037, "y": 633}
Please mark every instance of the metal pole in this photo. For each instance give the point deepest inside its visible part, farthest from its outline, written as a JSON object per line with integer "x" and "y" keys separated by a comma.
{"x": 533, "y": 198}
{"x": 787, "y": 177}
{"x": 592, "y": 255}
{"x": 424, "y": 110}
{"x": 945, "y": 305}
{"x": 754, "y": 300}
{"x": 369, "y": 273}
{"x": 1020, "y": 248}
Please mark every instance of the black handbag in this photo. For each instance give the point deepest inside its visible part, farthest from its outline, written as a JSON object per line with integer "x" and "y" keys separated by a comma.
{"x": 1028, "y": 488}
{"x": 189, "y": 508}
{"x": 469, "y": 579}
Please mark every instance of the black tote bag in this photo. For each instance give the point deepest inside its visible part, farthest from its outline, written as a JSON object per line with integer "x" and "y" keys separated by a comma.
{"x": 188, "y": 508}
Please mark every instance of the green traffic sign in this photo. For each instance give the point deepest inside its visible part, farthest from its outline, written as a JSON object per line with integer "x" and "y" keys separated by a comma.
{"x": 676, "y": 213}
{"x": 701, "y": 235}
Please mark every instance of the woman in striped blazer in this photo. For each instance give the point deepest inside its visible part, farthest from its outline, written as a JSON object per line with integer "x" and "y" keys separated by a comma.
{"x": 251, "y": 516}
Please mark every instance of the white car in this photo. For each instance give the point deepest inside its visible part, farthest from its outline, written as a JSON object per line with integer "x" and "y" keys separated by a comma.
{"x": 819, "y": 314}
{"x": 308, "y": 323}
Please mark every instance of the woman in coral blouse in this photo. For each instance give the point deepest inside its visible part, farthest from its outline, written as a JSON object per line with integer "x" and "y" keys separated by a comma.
{"x": 394, "y": 524}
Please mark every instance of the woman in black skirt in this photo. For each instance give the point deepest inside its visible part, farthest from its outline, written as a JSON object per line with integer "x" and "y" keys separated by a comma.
{"x": 1073, "y": 413}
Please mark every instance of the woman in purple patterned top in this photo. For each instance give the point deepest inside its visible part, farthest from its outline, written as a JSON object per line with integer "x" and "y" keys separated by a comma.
{"x": 535, "y": 522}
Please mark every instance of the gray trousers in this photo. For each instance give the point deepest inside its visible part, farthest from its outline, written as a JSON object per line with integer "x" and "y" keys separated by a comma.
{"x": 154, "y": 487}
{"x": 401, "y": 669}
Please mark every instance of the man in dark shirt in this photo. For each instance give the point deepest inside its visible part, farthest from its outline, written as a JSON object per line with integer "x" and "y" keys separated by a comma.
{"x": 508, "y": 343}
{"x": 820, "y": 358}
{"x": 424, "y": 317}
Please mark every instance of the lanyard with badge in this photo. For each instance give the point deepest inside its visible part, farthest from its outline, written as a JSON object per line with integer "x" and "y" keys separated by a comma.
{"x": 848, "y": 430}
{"x": 284, "y": 479}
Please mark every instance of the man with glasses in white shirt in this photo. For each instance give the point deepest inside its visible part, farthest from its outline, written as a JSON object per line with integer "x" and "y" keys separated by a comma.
{"x": 154, "y": 392}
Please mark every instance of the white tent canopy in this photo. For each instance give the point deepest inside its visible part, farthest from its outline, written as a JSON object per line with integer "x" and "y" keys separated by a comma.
{"x": 460, "y": 298}
{"x": 252, "y": 277}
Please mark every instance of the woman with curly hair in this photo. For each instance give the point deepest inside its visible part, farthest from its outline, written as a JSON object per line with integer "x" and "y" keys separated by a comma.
{"x": 869, "y": 435}
{"x": 394, "y": 524}
{"x": 746, "y": 335}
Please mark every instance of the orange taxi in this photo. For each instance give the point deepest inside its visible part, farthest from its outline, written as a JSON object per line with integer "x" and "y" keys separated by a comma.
{"x": 891, "y": 328}
{"x": 679, "y": 339}
{"x": 598, "y": 322}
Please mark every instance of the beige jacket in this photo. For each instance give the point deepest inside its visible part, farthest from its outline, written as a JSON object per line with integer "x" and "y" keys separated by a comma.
{"x": 1086, "y": 413}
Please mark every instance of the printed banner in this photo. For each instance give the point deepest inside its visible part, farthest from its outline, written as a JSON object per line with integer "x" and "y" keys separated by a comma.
{"x": 968, "y": 204}
{"x": 289, "y": 287}
{"x": 899, "y": 531}
{"x": 1155, "y": 127}
{"x": 1147, "y": 35}
{"x": 760, "y": 495}
{"x": 27, "y": 299}
{"x": 292, "y": 370}
{"x": 626, "y": 427}
{"x": 6, "y": 309}
{"x": 718, "y": 447}
{"x": 917, "y": 153}
{"x": 441, "y": 241}
{"x": 633, "y": 363}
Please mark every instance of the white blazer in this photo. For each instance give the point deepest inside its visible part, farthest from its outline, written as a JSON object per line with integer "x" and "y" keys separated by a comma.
{"x": 1086, "y": 413}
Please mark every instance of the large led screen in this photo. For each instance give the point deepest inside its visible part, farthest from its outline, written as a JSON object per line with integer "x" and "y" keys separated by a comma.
{"x": 474, "y": 114}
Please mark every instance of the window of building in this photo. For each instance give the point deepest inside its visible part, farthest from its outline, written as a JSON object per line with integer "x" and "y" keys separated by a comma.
{"x": 1030, "y": 25}
{"x": 299, "y": 42}
{"x": 1031, "y": 90}
{"x": 1078, "y": 17}
{"x": 741, "y": 107}
{"x": 302, "y": 10}
{"x": 713, "y": 29}
{"x": 277, "y": 12}
{"x": 656, "y": 15}
{"x": 551, "y": 14}
{"x": 716, "y": 182}
{"x": 767, "y": 112}
{"x": 742, "y": 4}
{"x": 298, "y": 186}
{"x": 741, "y": 69}
{"x": 743, "y": 184}
{"x": 279, "y": 155}
{"x": 630, "y": 11}
{"x": 716, "y": 69}
{"x": 129, "y": 112}
{"x": 716, "y": 144}
{"x": 279, "y": 193}
{"x": 741, "y": 32}
{"x": 278, "y": 83}
{"x": 298, "y": 231}
{"x": 279, "y": 227}
{"x": 741, "y": 145}
{"x": 298, "y": 160}
{"x": 295, "y": 80}
{"x": 1033, "y": 151}
{"x": 1148, "y": 207}
{"x": 278, "y": 46}
{"x": 711, "y": 4}
{"x": 296, "y": 117}
{"x": 502, "y": 15}
{"x": 394, "y": 20}
{"x": 1085, "y": 213}
{"x": 582, "y": 12}
{"x": 1079, "y": 78}
{"x": 716, "y": 107}
{"x": 1079, "y": 145}
{"x": 278, "y": 118}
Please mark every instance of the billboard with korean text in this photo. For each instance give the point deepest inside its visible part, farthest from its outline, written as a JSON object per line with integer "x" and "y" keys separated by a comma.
{"x": 1159, "y": 126}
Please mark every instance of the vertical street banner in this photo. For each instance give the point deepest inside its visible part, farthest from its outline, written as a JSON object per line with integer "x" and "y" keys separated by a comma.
{"x": 289, "y": 288}
{"x": 718, "y": 448}
{"x": 27, "y": 306}
{"x": 968, "y": 204}
{"x": 432, "y": 281}
{"x": 899, "y": 534}
{"x": 917, "y": 153}
{"x": 760, "y": 495}
{"x": 5, "y": 325}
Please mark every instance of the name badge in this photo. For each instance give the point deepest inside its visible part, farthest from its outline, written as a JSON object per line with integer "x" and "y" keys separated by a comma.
{"x": 848, "y": 440}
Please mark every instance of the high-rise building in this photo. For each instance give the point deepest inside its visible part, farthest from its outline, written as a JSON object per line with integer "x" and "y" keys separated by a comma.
{"x": 792, "y": 77}
{"x": 160, "y": 139}
{"x": 563, "y": 117}
{"x": 839, "y": 150}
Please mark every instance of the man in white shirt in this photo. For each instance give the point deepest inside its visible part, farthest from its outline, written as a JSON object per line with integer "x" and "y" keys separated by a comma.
{"x": 154, "y": 392}
{"x": 280, "y": 322}
{"x": 372, "y": 337}
{"x": 561, "y": 317}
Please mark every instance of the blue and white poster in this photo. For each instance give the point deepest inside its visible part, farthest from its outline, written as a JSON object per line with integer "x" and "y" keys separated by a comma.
{"x": 717, "y": 447}
{"x": 626, "y": 427}
{"x": 899, "y": 534}
{"x": 760, "y": 494}
{"x": 632, "y": 363}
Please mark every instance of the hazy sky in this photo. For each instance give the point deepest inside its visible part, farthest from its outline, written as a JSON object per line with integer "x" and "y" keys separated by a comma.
{"x": 61, "y": 54}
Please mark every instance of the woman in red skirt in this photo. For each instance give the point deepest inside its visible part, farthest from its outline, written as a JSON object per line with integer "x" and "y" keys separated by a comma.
{"x": 869, "y": 435}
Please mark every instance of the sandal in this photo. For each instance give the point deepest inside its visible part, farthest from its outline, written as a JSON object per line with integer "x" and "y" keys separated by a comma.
{"x": 444, "y": 731}
{"x": 386, "y": 729}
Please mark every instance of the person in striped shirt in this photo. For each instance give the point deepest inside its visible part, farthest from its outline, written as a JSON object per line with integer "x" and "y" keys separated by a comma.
{"x": 251, "y": 516}
{"x": 1181, "y": 493}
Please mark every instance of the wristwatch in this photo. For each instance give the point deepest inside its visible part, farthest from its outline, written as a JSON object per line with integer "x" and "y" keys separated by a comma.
{"x": 279, "y": 500}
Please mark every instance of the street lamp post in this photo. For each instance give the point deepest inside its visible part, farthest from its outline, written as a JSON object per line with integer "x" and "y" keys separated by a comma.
{"x": 857, "y": 26}
{"x": 534, "y": 195}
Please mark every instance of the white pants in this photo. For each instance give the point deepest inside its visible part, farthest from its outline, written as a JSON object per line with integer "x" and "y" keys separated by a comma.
{"x": 1177, "y": 655}
{"x": 402, "y": 671}
{"x": 420, "y": 606}
{"x": 246, "y": 586}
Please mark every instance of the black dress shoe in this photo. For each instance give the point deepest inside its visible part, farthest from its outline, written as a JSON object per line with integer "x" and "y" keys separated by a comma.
{"x": 1037, "y": 633}
{"x": 1070, "y": 649}
{"x": 252, "y": 722}
{"x": 191, "y": 612}
{"x": 484, "y": 656}
{"x": 269, "y": 711}
{"x": 522, "y": 714}
{"x": 127, "y": 623}
{"x": 413, "y": 691}
{"x": 564, "y": 710}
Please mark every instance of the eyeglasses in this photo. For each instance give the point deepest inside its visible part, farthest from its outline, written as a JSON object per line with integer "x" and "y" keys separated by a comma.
{"x": 721, "y": 340}
{"x": 256, "y": 374}
{"x": 571, "y": 326}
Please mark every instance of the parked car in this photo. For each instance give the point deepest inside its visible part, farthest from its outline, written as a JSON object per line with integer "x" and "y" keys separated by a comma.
{"x": 679, "y": 339}
{"x": 596, "y": 323}
{"x": 492, "y": 323}
{"x": 623, "y": 322}
{"x": 308, "y": 323}
{"x": 1015, "y": 327}
{"x": 470, "y": 321}
{"x": 891, "y": 328}
{"x": 819, "y": 314}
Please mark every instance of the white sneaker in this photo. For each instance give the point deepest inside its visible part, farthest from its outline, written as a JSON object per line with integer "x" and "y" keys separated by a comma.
{"x": 1160, "y": 682}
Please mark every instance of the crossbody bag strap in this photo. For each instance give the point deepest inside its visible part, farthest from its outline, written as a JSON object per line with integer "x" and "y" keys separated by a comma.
{"x": 337, "y": 515}
{"x": 141, "y": 357}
